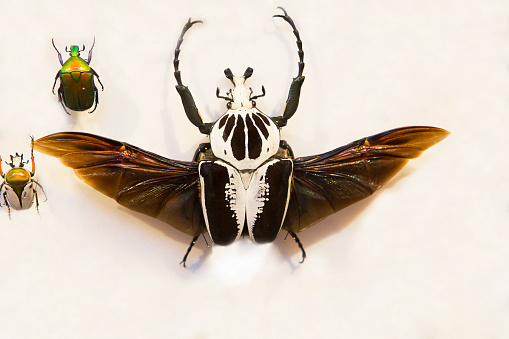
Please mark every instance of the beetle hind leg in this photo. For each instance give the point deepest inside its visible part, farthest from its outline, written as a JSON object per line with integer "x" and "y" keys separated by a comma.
{"x": 297, "y": 240}
{"x": 193, "y": 242}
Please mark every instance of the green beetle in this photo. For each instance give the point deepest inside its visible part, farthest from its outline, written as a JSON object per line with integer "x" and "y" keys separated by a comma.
{"x": 77, "y": 90}
{"x": 19, "y": 189}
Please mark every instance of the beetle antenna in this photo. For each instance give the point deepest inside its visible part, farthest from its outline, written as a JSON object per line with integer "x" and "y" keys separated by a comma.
{"x": 297, "y": 240}
{"x": 66, "y": 49}
{"x": 183, "y": 262}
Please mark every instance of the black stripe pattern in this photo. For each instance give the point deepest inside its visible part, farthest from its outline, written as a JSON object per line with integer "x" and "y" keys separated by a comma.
{"x": 245, "y": 138}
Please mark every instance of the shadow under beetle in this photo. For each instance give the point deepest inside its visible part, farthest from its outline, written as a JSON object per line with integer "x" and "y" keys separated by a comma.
{"x": 19, "y": 187}
{"x": 245, "y": 181}
{"x": 77, "y": 90}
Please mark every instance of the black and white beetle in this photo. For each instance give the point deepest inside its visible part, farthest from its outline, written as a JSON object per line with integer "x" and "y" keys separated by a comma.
{"x": 19, "y": 187}
{"x": 245, "y": 181}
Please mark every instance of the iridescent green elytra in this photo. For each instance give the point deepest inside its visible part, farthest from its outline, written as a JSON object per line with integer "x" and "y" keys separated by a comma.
{"x": 19, "y": 187}
{"x": 77, "y": 90}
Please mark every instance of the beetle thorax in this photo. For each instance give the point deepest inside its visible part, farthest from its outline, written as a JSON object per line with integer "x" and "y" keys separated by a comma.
{"x": 245, "y": 138}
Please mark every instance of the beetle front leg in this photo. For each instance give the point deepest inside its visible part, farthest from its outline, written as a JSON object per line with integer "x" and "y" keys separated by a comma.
{"x": 195, "y": 238}
{"x": 192, "y": 112}
{"x": 292, "y": 101}
{"x": 59, "y": 55}
{"x": 32, "y": 155}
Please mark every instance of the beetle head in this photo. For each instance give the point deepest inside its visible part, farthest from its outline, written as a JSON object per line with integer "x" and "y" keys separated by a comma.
{"x": 17, "y": 161}
{"x": 240, "y": 95}
{"x": 74, "y": 51}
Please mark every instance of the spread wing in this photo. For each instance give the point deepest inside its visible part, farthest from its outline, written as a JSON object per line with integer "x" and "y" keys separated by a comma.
{"x": 139, "y": 180}
{"x": 323, "y": 184}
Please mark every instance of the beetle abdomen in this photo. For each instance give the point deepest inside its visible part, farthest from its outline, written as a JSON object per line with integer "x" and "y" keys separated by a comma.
{"x": 245, "y": 138}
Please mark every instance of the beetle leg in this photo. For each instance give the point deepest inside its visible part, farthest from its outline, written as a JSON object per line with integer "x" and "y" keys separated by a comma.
{"x": 32, "y": 155}
{"x": 294, "y": 94}
{"x": 61, "y": 99}
{"x": 97, "y": 76}
{"x": 90, "y": 52}
{"x": 1, "y": 173}
{"x": 192, "y": 112}
{"x": 42, "y": 189}
{"x": 96, "y": 99}
{"x": 183, "y": 262}
{"x": 203, "y": 152}
{"x": 36, "y": 200}
{"x": 59, "y": 55}
{"x": 54, "y": 84}
{"x": 297, "y": 240}
{"x": 7, "y": 204}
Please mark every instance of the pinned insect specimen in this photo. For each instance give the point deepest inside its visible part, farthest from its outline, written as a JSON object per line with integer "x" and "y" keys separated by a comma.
{"x": 77, "y": 90}
{"x": 245, "y": 181}
{"x": 19, "y": 189}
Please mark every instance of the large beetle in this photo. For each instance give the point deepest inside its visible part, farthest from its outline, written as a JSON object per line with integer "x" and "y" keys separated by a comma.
{"x": 77, "y": 89}
{"x": 245, "y": 181}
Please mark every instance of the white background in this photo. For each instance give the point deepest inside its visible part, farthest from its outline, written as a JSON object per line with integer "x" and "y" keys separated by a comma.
{"x": 425, "y": 257}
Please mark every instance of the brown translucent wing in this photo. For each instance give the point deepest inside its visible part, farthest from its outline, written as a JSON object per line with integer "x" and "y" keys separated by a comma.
{"x": 139, "y": 180}
{"x": 325, "y": 183}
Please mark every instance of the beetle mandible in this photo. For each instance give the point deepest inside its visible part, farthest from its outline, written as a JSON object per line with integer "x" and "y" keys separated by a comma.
{"x": 77, "y": 90}
{"x": 19, "y": 187}
{"x": 245, "y": 181}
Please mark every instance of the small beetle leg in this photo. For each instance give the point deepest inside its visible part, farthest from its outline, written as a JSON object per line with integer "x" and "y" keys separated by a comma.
{"x": 195, "y": 238}
{"x": 7, "y": 204}
{"x": 192, "y": 112}
{"x": 42, "y": 189}
{"x": 297, "y": 240}
{"x": 61, "y": 99}
{"x": 97, "y": 77}
{"x": 96, "y": 99}
{"x": 59, "y": 55}
{"x": 294, "y": 94}
{"x": 32, "y": 155}
{"x": 54, "y": 83}
{"x": 90, "y": 52}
